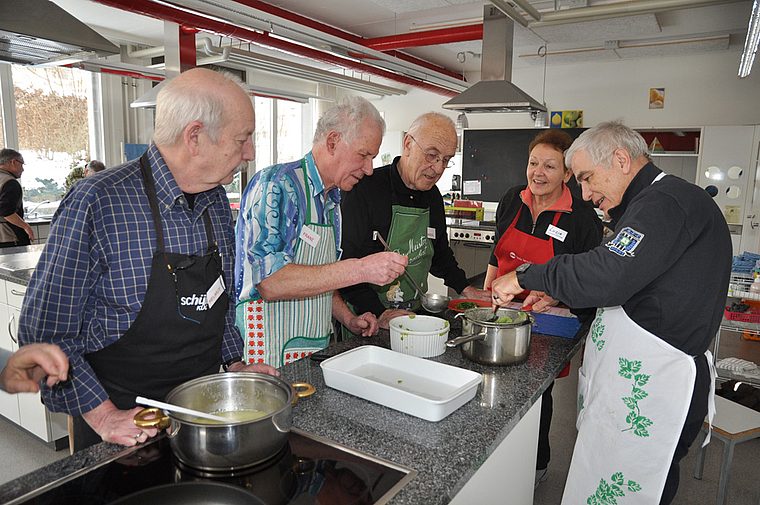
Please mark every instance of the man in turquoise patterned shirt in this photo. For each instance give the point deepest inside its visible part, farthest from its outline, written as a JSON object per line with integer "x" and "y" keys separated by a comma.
{"x": 287, "y": 271}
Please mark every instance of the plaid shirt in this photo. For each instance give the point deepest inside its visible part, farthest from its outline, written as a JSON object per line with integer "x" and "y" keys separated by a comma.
{"x": 91, "y": 279}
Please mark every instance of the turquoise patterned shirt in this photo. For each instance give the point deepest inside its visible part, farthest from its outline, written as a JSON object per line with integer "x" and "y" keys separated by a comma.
{"x": 272, "y": 213}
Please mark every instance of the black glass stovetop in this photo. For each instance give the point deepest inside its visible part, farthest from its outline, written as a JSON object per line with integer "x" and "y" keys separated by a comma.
{"x": 306, "y": 471}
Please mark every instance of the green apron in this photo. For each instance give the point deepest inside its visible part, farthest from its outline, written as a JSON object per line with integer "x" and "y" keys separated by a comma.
{"x": 282, "y": 331}
{"x": 408, "y": 235}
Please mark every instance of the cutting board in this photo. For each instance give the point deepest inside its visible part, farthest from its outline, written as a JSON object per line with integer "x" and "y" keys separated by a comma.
{"x": 559, "y": 326}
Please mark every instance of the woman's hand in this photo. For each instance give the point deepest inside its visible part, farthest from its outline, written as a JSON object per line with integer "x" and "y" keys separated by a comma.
{"x": 540, "y": 301}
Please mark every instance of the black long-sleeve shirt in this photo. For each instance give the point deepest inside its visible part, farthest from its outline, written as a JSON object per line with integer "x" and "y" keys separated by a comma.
{"x": 668, "y": 266}
{"x": 368, "y": 207}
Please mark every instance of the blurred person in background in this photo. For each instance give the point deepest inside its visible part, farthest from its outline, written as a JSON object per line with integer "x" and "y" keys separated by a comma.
{"x": 93, "y": 167}
{"x": 14, "y": 231}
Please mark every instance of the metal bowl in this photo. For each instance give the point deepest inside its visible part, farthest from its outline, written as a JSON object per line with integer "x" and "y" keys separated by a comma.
{"x": 433, "y": 302}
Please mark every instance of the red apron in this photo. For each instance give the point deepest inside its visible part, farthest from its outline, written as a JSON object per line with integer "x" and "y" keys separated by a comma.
{"x": 516, "y": 247}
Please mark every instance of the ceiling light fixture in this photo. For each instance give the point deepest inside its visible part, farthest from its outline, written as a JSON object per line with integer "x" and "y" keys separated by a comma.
{"x": 750, "y": 44}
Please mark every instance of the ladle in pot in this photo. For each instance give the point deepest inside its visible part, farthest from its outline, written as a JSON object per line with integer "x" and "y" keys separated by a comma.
{"x": 180, "y": 410}
{"x": 431, "y": 303}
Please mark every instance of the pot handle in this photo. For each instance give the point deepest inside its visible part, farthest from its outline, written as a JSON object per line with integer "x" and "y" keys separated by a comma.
{"x": 160, "y": 420}
{"x": 465, "y": 338}
{"x": 307, "y": 390}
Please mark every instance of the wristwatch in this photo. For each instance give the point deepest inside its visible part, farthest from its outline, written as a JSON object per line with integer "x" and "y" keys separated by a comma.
{"x": 521, "y": 274}
{"x": 227, "y": 364}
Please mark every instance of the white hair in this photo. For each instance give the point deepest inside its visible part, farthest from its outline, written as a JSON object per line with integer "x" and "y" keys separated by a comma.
{"x": 599, "y": 144}
{"x": 429, "y": 117}
{"x": 346, "y": 117}
{"x": 182, "y": 101}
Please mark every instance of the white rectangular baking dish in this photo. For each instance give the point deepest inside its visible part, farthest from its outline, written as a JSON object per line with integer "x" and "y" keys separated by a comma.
{"x": 413, "y": 385}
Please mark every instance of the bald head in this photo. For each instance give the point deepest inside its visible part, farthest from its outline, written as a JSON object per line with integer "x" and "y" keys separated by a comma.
{"x": 428, "y": 147}
{"x": 199, "y": 95}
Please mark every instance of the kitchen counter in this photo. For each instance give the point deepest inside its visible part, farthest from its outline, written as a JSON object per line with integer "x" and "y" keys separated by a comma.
{"x": 446, "y": 453}
{"x": 17, "y": 263}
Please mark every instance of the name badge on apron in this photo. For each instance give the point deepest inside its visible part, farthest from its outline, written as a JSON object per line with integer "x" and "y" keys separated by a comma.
{"x": 214, "y": 292}
{"x": 431, "y": 233}
{"x": 309, "y": 236}
{"x": 557, "y": 233}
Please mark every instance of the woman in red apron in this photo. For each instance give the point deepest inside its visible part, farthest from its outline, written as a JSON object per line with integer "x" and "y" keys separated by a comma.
{"x": 535, "y": 223}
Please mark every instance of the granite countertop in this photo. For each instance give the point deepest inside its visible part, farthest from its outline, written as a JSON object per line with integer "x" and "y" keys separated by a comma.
{"x": 446, "y": 453}
{"x": 14, "y": 270}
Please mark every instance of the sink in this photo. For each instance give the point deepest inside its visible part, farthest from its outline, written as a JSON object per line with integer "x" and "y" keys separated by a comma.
{"x": 19, "y": 261}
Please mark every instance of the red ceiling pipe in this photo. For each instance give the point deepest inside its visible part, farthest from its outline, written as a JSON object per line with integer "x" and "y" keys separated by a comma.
{"x": 336, "y": 32}
{"x": 426, "y": 38}
{"x": 181, "y": 17}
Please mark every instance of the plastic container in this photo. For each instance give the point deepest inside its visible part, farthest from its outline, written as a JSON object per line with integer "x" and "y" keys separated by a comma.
{"x": 421, "y": 336}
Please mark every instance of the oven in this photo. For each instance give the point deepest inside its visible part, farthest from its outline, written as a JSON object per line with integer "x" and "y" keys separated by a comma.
{"x": 472, "y": 242}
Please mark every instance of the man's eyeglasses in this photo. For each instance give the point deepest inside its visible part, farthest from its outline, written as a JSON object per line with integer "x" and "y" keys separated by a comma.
{"x": 433, "y": 158}
{"x": 20, "y": 162}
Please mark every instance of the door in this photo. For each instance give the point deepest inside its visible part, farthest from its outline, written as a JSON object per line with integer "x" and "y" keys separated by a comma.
{"x": 751, "y": 227}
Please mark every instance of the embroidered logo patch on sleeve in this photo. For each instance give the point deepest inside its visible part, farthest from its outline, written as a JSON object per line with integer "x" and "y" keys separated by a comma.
{"x": 625, "y": 242}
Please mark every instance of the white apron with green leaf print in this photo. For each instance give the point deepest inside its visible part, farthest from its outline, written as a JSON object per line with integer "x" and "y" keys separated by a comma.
{"x": 634, "y": 391}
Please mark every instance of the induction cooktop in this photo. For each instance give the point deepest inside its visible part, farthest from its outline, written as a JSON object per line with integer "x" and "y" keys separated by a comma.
{"x": 308, "y": 470}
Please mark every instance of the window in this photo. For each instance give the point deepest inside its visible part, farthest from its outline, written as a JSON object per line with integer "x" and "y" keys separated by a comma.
{"x": 53, "y": 131}
{"x": 288, "y": 131}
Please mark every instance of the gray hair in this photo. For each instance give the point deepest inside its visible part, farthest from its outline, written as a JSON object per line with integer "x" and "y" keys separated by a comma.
{"x": 600, "y": 143}
{"x": 8, "y": 155}
{"x": 429, "y": 117}
{"x": 346, "y": 117}
{"x": 182, "y": 101}
{"x": 96, "y": 166}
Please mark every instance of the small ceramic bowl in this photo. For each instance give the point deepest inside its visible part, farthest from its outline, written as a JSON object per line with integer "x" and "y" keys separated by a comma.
{"x": 422, "y": 336}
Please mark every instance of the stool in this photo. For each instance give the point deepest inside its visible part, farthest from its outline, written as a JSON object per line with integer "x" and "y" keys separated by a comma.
{"x": 732, "y": 424}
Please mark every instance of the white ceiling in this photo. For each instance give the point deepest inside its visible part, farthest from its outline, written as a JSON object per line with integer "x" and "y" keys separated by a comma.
{"x": 675, "y": 32}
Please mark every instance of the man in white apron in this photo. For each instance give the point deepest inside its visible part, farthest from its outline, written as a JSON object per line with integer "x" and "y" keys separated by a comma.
{"x": 402, "y": 203}
{"x": 288, "y": 242}
{"x": 645, "y": 384}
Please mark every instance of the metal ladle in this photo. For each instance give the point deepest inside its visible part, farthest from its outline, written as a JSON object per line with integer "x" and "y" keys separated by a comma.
{"x": 430, "y": 302}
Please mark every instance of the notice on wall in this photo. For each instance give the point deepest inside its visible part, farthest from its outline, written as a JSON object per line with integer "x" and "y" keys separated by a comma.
{"x": 732, "y": 214}
{"x": 471, "y": 187}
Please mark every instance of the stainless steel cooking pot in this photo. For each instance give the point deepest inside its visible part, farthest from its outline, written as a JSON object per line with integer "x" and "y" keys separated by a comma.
{"x": 494, "y": 343}
{"x": 237, "y": 444}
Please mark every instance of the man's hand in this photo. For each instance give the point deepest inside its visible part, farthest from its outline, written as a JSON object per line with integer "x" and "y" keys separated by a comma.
{"x": 365, "y": 325}
{"x": 117, "y": 426}
{"x": 476, "y": 294}
{"x": 382, "y": 268}
{"x": 504, "y": 289}
{"x": 30, "y": 364}
{"x": 385, "y": 318}
{"x": 540, "y": 301}
{"x": 239, "y": 366}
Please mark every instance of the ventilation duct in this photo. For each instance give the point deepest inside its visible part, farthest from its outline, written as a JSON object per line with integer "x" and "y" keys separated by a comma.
{"x": 37, "y": 32}
{"x": 495, "y": 92}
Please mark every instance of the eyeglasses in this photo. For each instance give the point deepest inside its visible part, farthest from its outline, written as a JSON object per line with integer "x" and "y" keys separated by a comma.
{"x": 20, "y": 162}
{"x": 433, "y": 158}
{"x": 185, "y": 263}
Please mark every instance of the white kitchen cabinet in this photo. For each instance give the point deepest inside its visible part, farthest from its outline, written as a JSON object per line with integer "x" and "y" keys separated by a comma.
{"x": 8, "y": 402}
{"x": 25, "y": 409}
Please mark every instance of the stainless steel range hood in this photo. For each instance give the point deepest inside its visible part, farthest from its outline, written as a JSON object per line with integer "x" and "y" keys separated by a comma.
{"x": 36, "y": 32}
{"x": 494, "y": 92}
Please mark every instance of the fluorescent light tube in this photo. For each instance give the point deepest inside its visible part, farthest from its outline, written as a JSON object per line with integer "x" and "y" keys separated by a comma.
{"x": 750, "y": 45}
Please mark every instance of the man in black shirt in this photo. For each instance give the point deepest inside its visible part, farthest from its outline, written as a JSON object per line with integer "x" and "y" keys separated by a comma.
{"x": 13, "y": 229}
{"x": 403, "y": 204}
{"x": 661, "y": 285}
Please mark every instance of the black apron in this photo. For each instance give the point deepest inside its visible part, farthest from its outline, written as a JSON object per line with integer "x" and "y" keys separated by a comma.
{"x": 175, "y": 337}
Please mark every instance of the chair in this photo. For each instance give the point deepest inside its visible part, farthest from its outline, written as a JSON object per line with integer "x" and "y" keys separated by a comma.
{"x": 732, "y": 424}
